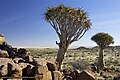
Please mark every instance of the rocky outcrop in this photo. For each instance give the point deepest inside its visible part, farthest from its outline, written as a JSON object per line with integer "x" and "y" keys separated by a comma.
{"x": 16, "y": 63}
{"x": 29, "y": 67}
{"x": 8, "y": 51}
{"x": 39, "y": 71}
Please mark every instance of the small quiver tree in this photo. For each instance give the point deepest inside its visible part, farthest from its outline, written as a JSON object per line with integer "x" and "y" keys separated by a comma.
{"x": 70, "y": 25}
{"x": 103, "y": 40}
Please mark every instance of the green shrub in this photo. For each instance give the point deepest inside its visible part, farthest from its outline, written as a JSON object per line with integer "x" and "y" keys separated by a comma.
{"x": 80, "y": 64}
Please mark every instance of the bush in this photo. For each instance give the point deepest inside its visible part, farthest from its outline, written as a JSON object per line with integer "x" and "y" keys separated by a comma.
{"x": 80, "y": 64}
{"x": 116, "y": 62}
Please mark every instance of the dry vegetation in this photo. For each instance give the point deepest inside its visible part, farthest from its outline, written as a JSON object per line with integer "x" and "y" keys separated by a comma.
{"x": 84, "y": 58}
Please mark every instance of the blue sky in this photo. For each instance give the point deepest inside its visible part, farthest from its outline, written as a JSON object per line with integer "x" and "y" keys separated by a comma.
{"x": 22, "y": 21}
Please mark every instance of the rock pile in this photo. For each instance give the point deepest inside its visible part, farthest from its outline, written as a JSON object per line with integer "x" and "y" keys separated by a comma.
{"x": 37, "y": 69}
{"x": 78, "y": 75}
{"x": 16, "y": 63}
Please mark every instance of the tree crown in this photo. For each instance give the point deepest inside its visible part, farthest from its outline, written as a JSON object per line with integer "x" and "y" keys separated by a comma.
{"x": 70, "y": 23}
{"x": 65, "y": 13}
{"x": 103, "y": 39}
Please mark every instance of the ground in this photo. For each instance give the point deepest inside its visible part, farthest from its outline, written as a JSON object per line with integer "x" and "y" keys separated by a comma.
{"x": 84, "y": 59}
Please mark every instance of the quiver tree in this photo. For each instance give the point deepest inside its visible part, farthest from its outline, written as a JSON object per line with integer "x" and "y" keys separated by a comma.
{"x": 103, "y": 40}
{"x": 70, "y": 25}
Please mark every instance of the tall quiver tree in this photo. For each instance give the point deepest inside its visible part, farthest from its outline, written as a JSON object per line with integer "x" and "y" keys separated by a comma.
{"x": 103, "y": 40}
{"x": 70, "y": 25}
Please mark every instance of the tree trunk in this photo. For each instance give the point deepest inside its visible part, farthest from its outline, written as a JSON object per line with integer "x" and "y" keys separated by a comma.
{"x": 100, "y": 64}
{"x": 60, "y": 56}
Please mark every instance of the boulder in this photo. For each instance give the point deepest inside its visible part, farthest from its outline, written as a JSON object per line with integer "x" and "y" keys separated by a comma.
{"x": 2, "y": 39}
{"x": 51, "y": 66}
{"x": 17, "y": 72}
{"x": 85, "y": 75}
{"x": 5, "y": 61}
{"x": 34, "y": 71}
{"x": 11, "y": 53}
{"x": 18, "y": 60}
{"x": 13, "y": 70}
{"x": 28, "y": 71}
{"x": 74, "y": 74}
{"x": 5, "y": 66}
{"x": 3, "y": 70}
{"x": 42, "y": 69}
{"x": 22, "y": 52}
{"x": 23, "y": 65}
{"x": 15, "y": 50}
{"x": 46, "y": 76}
{"x": 10, "y": 66}
{"x": 28, "y": 59}
{"x": 6, "y": 47}
{"x": 3, "y": 54}
{"x": 39, "y": 61}
{"x": 41, "y": 66}
{"x": 56, "y": 75}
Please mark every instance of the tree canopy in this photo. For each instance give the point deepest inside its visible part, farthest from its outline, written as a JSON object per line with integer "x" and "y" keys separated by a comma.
{"x": 67, "y": 21}
{"x": 103, "y": 39}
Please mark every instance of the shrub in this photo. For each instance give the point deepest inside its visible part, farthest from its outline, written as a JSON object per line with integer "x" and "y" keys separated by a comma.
{"x": 81, "y": 64}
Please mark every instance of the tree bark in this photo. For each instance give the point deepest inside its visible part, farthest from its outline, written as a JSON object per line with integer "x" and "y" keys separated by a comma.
{"x": 60, "y": 56}
{"x": 100, "y": 64}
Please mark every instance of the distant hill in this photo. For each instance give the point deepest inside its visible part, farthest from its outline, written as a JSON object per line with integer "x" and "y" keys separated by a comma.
{"x": 82, "y": 47}
{"x": 96, "y": 47}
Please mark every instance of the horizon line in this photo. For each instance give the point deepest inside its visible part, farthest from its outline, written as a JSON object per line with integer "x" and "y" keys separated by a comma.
{"x": 57, "y": 47}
